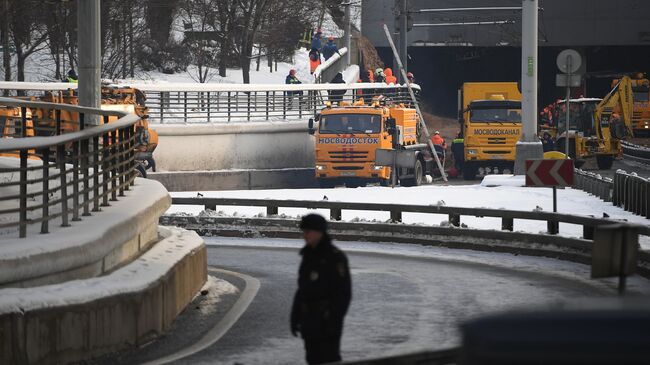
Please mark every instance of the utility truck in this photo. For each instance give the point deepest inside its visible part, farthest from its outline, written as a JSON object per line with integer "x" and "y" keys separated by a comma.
{"x": 489, "y": 114}
{"x": 350, "y": 139}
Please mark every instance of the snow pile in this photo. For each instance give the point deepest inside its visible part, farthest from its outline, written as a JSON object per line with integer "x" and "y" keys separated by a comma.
{"x": 570, "y": 201}
{"x": 503, "y": 180}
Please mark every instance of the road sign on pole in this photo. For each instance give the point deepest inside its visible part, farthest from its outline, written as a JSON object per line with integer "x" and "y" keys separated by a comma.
{"x": 569, "y": 62}
{"x": 549, "y": 173}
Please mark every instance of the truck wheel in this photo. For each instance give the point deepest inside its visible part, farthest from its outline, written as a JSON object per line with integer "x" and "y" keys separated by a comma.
{"x": 605, "y": 162}
{"x": 418, "y": 175}
{"x": 469, "y": 172}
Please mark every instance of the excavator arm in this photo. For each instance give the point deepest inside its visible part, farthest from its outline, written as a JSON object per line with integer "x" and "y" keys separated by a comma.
{"x": 620, "y": 98}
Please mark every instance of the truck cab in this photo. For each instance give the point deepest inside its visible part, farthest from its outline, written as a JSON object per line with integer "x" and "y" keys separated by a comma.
{"x": 490, "y": 122}
{"x": 347, "y": 139}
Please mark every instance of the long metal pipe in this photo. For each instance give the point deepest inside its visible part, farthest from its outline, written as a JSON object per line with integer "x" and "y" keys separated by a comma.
{"x": 348, "y": 32}
{"x": 446, "y": 10}
{"x": 403, "y": 40}
{"x": 529, "y": 70}
{"x": 495, "y": 22}
{"x": 89, "y": 38}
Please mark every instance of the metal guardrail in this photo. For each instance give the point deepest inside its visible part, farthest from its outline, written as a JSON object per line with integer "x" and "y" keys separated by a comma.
{"x": 631, "y": 193}
{"x": 594, "y": 184}
{"x": 626, "y": 190}
{"x": 396, "y": 210}
{"x": 638, "y": 153}
{"x": 69, "y": 173}
{"x": 223, "y": 103}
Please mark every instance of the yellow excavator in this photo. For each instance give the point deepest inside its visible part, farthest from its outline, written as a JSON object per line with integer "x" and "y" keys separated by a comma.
{"x": 595, "y": 129}
{"x": 641, "y": 103}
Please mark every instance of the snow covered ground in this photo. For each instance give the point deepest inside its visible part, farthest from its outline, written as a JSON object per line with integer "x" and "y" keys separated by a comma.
{"x": 498, "y": 197}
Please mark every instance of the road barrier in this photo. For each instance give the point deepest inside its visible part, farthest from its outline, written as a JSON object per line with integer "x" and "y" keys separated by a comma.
{"x": 173, "y": 103}
{"x": 452, "y": 234}
{"x": 636, "y": 152}
{"x": 626, "y": 190}
{"x": 594, "y": 184}
{"x": 396, "y": 210}
{"x": 64, "y": 174}
{"x": 631, "y": 193}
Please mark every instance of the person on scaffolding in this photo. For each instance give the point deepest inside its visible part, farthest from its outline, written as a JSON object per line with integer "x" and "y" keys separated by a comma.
{"x": 314, "y": 53}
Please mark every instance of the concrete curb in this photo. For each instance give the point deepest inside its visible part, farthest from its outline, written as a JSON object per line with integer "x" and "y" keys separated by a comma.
{"x": 58, "y": 330}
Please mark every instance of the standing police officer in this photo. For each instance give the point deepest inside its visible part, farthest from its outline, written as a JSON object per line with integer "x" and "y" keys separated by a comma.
{"x": 323, "y": 295}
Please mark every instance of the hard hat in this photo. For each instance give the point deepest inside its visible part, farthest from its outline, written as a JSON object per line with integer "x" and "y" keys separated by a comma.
{"x": 436, "y": 132}
{"x": 409, "y": 74}
{"x": 379, "y": 70}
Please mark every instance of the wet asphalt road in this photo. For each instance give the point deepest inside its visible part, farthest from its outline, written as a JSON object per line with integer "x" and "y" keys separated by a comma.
{"x": 400, "y": 304}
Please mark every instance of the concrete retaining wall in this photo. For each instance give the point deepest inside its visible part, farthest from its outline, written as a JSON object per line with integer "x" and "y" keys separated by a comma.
{"x": 236, "y": 179}
{"x": 254, "y": 145}
{"x": 94, "y": 246}
{"x": 72, "y": 322}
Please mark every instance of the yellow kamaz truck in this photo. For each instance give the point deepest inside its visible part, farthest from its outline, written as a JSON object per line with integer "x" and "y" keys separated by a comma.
{"x": 348, "y": 139}
{"x": 489, "y": 114}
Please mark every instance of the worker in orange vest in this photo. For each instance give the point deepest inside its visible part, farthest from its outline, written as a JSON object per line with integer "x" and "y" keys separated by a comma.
{"x": 390, "y": 79}
{"x": 437, "y": 140}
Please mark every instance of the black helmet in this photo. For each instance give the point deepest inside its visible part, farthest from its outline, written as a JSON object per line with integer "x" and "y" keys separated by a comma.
{"x": 313, "y": 222}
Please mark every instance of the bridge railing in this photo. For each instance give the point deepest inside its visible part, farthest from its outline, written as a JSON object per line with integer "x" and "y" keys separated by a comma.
{"x": 222, "y": 103}
{"x": 66, "y": 174}
{"x": 396, "y": 210}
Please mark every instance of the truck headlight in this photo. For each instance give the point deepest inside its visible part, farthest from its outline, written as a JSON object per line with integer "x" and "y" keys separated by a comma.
{"x": 471, "y": 152}
{"x": 376, "y": 168}
{"x": 320, "y": 167}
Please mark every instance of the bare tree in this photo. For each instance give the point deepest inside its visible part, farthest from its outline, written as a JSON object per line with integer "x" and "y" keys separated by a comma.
{"x": 28, "y": 33}
{"x": 201, "y": 37}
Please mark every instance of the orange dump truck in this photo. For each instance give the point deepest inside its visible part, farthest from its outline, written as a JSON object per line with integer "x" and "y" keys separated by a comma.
{"x": 351, "y": 139}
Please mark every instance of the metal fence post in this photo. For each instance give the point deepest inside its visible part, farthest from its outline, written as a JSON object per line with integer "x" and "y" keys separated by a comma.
{"x": 396, "y": 215}
{"x": 507, "y": 224}
{"x": 63, "y": 182}
{"x": 335, "y": 214}
{"x": 22, "y": 214}
{"x": 46, "y": 191}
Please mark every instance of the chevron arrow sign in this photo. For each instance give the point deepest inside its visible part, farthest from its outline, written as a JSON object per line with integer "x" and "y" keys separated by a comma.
{"x": 549, "y": 172}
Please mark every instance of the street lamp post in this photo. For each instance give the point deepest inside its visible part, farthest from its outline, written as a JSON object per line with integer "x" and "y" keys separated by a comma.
{"x": 529, "y": 146}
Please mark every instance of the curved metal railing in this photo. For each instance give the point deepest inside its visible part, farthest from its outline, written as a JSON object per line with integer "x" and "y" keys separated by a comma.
{"x": 57, "y": 172}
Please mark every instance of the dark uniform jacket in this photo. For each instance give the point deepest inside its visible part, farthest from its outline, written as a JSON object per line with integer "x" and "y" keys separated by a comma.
{"x": 324, "y": 292}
